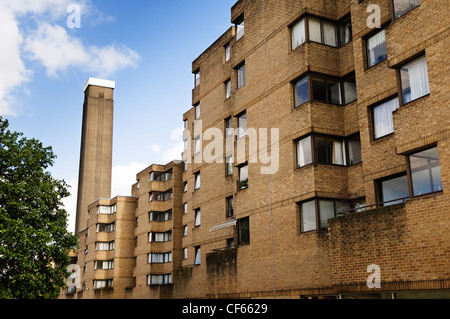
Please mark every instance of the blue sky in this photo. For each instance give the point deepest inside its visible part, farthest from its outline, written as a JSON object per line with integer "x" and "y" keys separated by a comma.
{"x": 146, "y": 46}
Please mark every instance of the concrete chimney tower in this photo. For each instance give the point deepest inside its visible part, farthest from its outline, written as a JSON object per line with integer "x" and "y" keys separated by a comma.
{"x": 94, "y": 180}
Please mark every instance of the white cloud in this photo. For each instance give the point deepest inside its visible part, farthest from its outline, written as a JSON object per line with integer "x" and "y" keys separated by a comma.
{"x": 12, "y": 69}
{"x": 51, "y": 45}
{"x": 57, "y": 51}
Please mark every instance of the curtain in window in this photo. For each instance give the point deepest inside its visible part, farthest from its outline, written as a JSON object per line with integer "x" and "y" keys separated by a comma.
{"x": 314, "y": 29}
{"x": 349, "y": 92}
{"x": 329, "y": 33}
{"x": 198, "y": 256}
{"x": 376, "y": 47}
{"x": 326, "y": 211}
{"x": 304, "y": 152}
{"x": 383, "y": 121}
{"x": 418, "y": 78}
{"x": 298, "y": 34}
{"x": 197, "y": 218}
{"x": 338, "y": 153}
{"x": 308, "y": 216}
{"x": 335, "y": 91}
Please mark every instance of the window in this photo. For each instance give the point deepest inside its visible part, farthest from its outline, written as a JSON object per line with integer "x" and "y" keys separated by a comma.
{"x": 160, "y": 216}
{"x": 197, "y": 181}
{"x": 414, "y": 80}
{"x": 240, "y": 76}
{"x": 106, "y": 228}
{"x": 185, "y": 253}
{"x": 197, "y": 111}
{"x": 104, "y": 264}
{"x": 240, "y": 28}
{"x": 401, "y": 7}
{"x": 159, "y": 258}
{"x": 230, "y": 243}
{"x": 228, "y": 126}
{"x": 198, "y": 255}
{"x": 243, "y": 177}
{"x": 383, "y": 123}
{"x": 242, "y": 125}
{"x": 197, "y": 145}
{"x": 104, "y": 246}
{"x": 322, "y": 31}
{"x": 160, "y": 196}
{"x": 229, "y": 165}
{"x": 354, "y": 149}
{"x": 315, "y": 213}
{"x": 197, "y": 217}
{"x": 230, "y": 209}
{"x": 228, "y": 89}
{"x": 393, "y": 188}
{"x": 301, "y": 91}
{"x": 196, "y": 78}
{"x": 185, "y": 166}
{"x": 304, "y": 154}
{"x": 106, "y": 210}
{"x": 159, "y": 237}
{"x": 298, "y": 35}
{"x": 185, "y": 230}
{"x": 329, "y": 150}
{"x": 99, "y": 284}
{"x": 161, "y": 176}
{"x": 324, "y": 149}
{"x": 345, "y": 31}
{"x": 185, "y": 208}
{"x": 159, "y": 280}
{"x": 185, "y": 187}
{"x": 227, "y": 52}
{"x": 425, "y": 171}
{"x": 185, "y": 124}
{"x": 326, "y": 89}
{"x": 376, "y": 48}
{"x": 244, "y": 231}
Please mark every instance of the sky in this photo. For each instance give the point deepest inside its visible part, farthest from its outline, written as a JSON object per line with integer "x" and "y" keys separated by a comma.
{"x": 49, "y": 48}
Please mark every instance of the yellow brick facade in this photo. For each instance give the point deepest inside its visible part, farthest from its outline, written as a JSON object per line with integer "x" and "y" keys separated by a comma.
{"x": 407, "y": 241}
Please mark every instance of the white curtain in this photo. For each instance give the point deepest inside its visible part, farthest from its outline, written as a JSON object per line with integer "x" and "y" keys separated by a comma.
{"x": 198, "y": 256}
{"x": 298, "y": 34}
{"x": 383, "y": 121}
{"x": 338, "y": 153}
{"x": 197, "y": 218}
{"x": 374, "y": 45}
{"x": 418, "y": 78}
{"x": 304, "y": 152}
{"x": 329, "y": 33}
{"x": 314, "y": 29}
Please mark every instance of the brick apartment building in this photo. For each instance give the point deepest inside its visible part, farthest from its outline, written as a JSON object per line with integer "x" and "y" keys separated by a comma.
{"x": 358, "y": 205}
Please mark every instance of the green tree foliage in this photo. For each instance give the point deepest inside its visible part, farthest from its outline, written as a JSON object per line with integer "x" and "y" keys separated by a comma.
{"x": 34, "y": 241}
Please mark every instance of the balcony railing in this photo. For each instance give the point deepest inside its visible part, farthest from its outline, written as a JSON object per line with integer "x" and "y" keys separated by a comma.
{"x": 373, "y": 206}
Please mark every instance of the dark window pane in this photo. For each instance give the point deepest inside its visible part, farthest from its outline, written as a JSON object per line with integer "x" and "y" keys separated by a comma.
{"x": 319, "y": 88}
{"x": 244, "y": 231}
{"x": 354, "y": 149}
